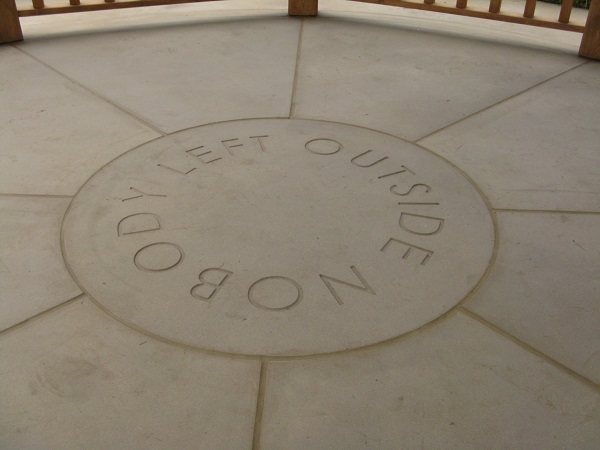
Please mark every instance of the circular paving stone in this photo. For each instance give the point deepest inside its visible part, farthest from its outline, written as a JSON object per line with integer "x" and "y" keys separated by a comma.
{"x": 278, "y": 237}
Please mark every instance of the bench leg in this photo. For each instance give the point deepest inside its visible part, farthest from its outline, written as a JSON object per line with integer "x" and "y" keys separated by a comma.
{"x": 303, "y": 7}
{"x": 10, "y": 27}
{"x": 590, "y": 43}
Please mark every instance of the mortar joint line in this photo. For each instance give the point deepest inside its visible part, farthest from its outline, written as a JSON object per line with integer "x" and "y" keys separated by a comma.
{"x": 260, "y": 403}
{"x": 12, "y": 194}
{"x": 91, "y": 91}
{"x": 481, "y": 111}
{"x": 543, "y": 211}
{"x": 529, "y": 348}
{"x": 296, "y": 69}
{"x": 39, "y": 315}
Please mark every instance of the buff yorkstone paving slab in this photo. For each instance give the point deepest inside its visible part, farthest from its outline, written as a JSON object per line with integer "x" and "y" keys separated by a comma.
{"x": 538, "y": 150}
{"x": 410, "y": 83}
{"x": 240, "y": 236}
{"x": 286, "y": 238}
{"x": 177, "y": 77}
{"x": 33, "y": 276}
{"x": 545, "y": 289}
{"x": 458, "y": 385}
{"x": 76, "y": 378}
{"x": 53, "y": 133}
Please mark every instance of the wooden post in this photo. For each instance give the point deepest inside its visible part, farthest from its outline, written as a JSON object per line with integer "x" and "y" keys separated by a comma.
{"x": 565, "y": 11}
{"x": 590, "y": 43}
{"x": 495, "y": 6}
{"x": 529, "y": 8}
{"x": 10, "y": 27}
{"x": 303, "y": 7}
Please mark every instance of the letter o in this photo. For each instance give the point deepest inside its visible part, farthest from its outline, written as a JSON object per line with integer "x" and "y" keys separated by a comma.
{"x": 253, "y": 300}
{"x": 325, "y": 148}
{"x": 150, "y": 260}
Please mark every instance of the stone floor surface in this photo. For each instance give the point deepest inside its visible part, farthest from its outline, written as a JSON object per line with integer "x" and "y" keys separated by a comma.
{"x": 513, "y": 363}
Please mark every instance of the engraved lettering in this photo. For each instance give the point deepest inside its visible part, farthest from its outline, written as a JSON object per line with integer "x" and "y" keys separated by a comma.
{"x": 158, "y": 257}
{"x": 142, "y": 194}
{"x": 194, "y": 149}
{"x": 328, "y": 280}
{"x": 404, "y": 169}
{"x": 366, "y": 165}
{"x": 427, "y": 189}
{"x": 230, "y": 146}
{"x": 176, "y": 170}
{"x": 200, "y": 155}
{"x": 138, "y": 223}
{"x": 260, "y": 142}
{"x": 219, "y": 277}
{"x": 323, "y": 146}
{"x": 425, "y": 222}
{"x": 259, "y": 300}
{"x": 410, "y": 248}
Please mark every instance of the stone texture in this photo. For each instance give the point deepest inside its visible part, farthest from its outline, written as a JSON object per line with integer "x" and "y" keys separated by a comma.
{"x": 76, "y": 378}
{"x": 179, "y": 77}
{"x": 410, "y": 83}
{"x": 536, "y": 151}
{"x": 216, "y": 239}
{"x": 458, "y": 385}
{"x": 544, "y": 288}
{"x": 54, "y": 134}
{"x": 33, "y": 276}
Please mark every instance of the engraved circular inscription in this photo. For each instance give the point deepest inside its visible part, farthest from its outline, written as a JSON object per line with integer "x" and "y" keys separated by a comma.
{"x": 278, "y": 237}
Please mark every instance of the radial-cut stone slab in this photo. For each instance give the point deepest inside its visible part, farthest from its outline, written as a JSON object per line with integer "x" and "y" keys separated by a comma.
{"x": 33, "y": 277}
{"x": 278, "y": 237}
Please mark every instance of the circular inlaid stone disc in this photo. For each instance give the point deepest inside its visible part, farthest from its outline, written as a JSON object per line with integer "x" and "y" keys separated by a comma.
{"x": 278, "y": 237}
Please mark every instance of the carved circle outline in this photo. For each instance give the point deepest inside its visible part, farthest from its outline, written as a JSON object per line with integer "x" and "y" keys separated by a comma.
{"x": 266, "y": 308}
{"x": 146, "y": 269}
{"x": 272, "y": 357}
{"x": 324, "y": 139}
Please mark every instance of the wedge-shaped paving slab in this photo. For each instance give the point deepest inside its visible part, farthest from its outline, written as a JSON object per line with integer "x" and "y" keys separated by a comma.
{"x": 182, "y": 76}
{"x": 54, "y": 134}
{"x": 538, "y": 150}
{"x": 456, "y": 385}
{"x": 278, "y": 237}
{"x": 406, "y": 82}
{"x": 33, "y": 276}
{"x": 78, "y": 379}
{"x": 545, "y": 287}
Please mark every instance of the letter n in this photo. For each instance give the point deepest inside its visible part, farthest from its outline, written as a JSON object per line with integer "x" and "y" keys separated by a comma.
{"x": 329, "y": 280}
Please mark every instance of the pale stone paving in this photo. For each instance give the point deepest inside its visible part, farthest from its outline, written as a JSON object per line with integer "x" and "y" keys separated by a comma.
{"x": 291, "y": 276}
